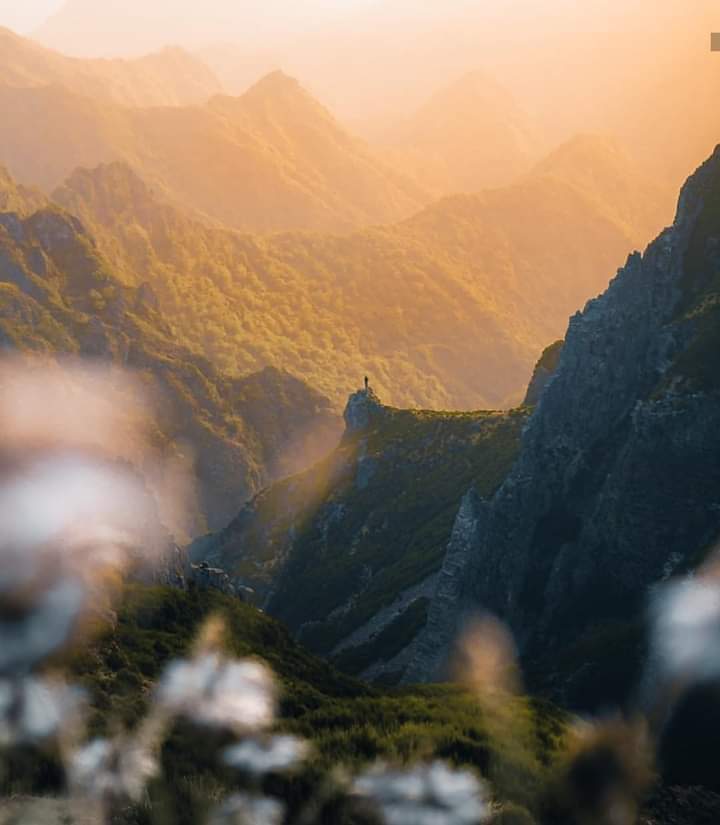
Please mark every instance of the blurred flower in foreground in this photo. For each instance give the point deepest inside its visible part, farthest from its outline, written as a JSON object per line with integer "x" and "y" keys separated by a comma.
{"x": 433, "y": 794}
{"x": 486, "y": 658}
{"x": 686, "y": 630}
{"x": 62, "y": 540}
{"x": 257, "y": 757}
{"x": 243, "y": 809}
{"x": 213, "y": 690}
{"x": 33, "y": 710}
{"x": 117, "y": 769}
{"x": 608, "y": 773}
{"x": 71, "y": 511}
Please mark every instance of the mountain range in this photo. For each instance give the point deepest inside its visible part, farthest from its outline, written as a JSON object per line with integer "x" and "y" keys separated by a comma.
{"x": 272, "y": 159}
{"x": 448, "y": 309}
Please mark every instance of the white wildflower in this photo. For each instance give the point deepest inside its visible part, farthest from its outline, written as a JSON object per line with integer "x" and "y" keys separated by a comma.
{"x": 686, "y": 630}
{"x": 242, "y": 809}
{"x": 72, "y": 509}
{"x": 219, "y": 692}
{"x": 433, "y": 794}
{"x": 274, "y": 755}
{"x": 33, "y": 710}
{"x": 65, "y": 525}
{"x": 105, "y": 769}
{"x": 32, "y": 630}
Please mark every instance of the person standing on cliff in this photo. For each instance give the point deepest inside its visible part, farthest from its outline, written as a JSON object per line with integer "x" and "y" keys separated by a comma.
{"x": 367, "y": 383}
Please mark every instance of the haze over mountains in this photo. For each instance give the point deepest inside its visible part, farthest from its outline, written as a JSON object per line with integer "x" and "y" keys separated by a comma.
{"x": 271, "y": 159}
{"x": 446, "y": 304}
{"x": 635, "y": 69}
{"x": 447, "y": 309}
{"x": 600, "y": 65}
{"x": 470, "y": 135}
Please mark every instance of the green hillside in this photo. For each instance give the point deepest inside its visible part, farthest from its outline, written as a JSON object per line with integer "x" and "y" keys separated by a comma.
{"x": 59, "y": 295}
{"x": 447, "y": 310}
{"x": 347, "y": 722}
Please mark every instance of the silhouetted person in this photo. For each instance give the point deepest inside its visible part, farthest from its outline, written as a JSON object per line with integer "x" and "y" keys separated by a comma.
{"x": 367, "y": 383}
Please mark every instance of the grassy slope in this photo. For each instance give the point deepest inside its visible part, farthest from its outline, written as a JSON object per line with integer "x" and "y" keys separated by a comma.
{"x": 347, "y": 721}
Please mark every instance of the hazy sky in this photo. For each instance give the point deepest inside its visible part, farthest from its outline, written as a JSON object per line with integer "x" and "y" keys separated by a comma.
{"x": 25, "y": 15}
{"x": 130, "y": 26}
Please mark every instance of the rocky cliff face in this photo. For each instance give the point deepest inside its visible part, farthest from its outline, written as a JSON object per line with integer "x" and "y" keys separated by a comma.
{"x": 543, "y": 372}
{"x": 617, "y": 484}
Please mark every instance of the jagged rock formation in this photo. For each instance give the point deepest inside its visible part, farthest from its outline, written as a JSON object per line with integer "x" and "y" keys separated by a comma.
{"x": 617, "y": 484}
{"x": 544, "y": 371}
{"x": 362, "y": 410}
{"x": 211, "y": 578}
{"x": 348, "y": 552}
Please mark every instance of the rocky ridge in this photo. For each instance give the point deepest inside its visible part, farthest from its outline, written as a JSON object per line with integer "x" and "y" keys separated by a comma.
{"x": 617, "y": 483}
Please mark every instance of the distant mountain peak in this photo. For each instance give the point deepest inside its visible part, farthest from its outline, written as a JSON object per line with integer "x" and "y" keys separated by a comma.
{"x": 277, "y": 93}
{"x": 276, "y": 86}
{"x": 586, "y": 147}
{"x": 277, "y": 79}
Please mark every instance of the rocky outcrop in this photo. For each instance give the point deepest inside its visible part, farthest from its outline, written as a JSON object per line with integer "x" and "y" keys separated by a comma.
{"x": 211, "y": 578}
{"x": 363, "y": 409}
{"x": 618, "y": 479}
{"x": 543, "y": 372}
{"x": 450, "y": 601}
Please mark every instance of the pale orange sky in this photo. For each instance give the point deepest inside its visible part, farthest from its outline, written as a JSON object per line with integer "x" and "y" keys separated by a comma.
{"x": 26, "y": 15}
{"x": 129, "y": 26}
